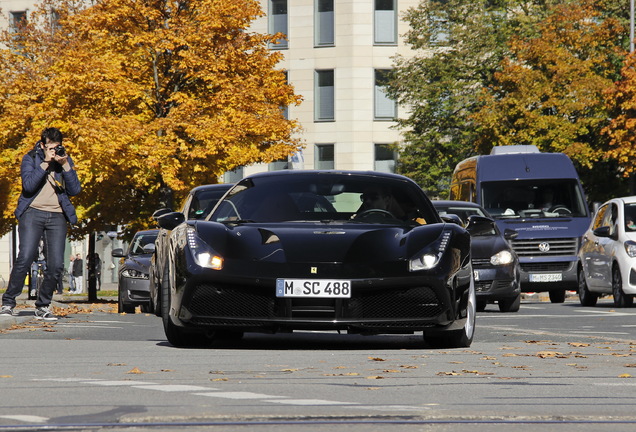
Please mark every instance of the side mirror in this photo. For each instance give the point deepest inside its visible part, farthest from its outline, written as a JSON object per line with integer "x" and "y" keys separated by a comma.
{"x": 171, "y": 220}
{"x": 118, "y": 253}
{"x": 510, "y": 234}
{"x": 452, "y": 218}
{"x": 480, "y": 226}
{"x": 149, "y": 248}
{"x": 161, "y": 212}
{"x": 603, "y": 231}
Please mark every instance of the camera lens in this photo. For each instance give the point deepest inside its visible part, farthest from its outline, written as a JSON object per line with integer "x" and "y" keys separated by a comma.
{"x": 60, "y": 150}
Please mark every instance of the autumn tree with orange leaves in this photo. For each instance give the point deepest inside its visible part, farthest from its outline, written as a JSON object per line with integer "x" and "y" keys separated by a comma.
{"x": 550, "y": 92}
{"x": 154, "y": 97}
{"x": 622, "y": 129}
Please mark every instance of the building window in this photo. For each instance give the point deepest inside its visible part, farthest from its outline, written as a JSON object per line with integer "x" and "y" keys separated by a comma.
{"x": 384, "y": 107}
{"x": 385, "y": 157}
{"x": 324, "y": 25}
{"x": 282, "y": 164}
{"x": 233, "y": 176}
{"x": 18, "y": 20}
{"x": 278, "y": 21}
{"x": 385, "y": 22}
{"x": 324, "y": 96}
{"x": 324, "y": 159}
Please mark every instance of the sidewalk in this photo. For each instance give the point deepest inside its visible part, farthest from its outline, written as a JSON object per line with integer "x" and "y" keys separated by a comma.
{"x": 26, "y": 308}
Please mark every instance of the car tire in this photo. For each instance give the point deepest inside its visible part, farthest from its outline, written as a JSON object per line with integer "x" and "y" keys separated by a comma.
{"x": 177, "y": 336}
{"x": 621, "y": 299}
{"x": 510, "y": 304}
{"x": 586, "y": 298}
{"x": 123, "y": 307}
{"x": 557, "y": 296}
{"x": 462, "y": 338}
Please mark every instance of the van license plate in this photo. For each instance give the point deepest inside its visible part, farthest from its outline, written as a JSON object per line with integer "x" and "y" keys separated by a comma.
{"x": 545, "y": 277}
{"x": 322, "y": 288}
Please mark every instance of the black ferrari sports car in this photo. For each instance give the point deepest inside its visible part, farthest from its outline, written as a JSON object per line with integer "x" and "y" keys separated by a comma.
{"x": 361, "y": 252}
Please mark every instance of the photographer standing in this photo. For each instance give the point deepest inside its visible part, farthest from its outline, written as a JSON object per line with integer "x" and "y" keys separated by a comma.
{"x": 44, "y": 208}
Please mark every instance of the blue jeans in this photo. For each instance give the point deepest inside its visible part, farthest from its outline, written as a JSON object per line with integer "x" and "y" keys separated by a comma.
{"x": 34, "y": 225}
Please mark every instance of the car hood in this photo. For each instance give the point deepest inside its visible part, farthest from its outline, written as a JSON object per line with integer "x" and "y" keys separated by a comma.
{"x": 138, "y": 262}
{"x": 318, "y": 242}
{"x": 483, "y": 247}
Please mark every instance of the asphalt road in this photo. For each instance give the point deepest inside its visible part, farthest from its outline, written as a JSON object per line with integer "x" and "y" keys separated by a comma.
{"x": 557, "y": 367}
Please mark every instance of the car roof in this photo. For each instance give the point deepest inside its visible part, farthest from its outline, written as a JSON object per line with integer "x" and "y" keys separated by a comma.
{"x": 220, "y": 186}
{"x": 144, "y": 232}
{"x": 377, "y": 174}
{"x": 450, "y": 203}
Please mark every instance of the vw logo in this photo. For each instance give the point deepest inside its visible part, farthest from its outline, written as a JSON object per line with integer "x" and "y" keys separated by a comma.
{"x": 544, "y": 247}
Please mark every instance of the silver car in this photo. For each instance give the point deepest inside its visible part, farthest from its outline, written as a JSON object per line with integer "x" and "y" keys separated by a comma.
{"x": 607, "y": 258}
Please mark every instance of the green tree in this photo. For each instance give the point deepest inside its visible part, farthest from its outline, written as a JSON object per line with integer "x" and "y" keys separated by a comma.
{"x": 550, "y": 91}
{"x": 154, "y": 97}
{"x": 458, "y": 46}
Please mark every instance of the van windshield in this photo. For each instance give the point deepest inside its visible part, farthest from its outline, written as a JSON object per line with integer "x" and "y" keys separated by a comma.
{"x": 533, "y": 199}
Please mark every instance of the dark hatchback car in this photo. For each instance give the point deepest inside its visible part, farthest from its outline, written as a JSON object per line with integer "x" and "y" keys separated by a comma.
{"x": 495, "y": 263}
{"x": 197, "y": 205}
{"x": 133, "y": 272}
{"x": 361, "y": 252}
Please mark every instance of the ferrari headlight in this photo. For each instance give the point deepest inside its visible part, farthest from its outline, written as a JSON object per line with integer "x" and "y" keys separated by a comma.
{"x": 502, "y": 258}
{"x": 430, "y": 257}
{"x": 134, "y": 274}
{"x": 630, "y": 248}
{"x": 203, "y": 255}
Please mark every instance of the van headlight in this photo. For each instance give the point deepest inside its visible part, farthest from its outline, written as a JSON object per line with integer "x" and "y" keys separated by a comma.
{"x": 503, "y": 257}
{"x": 201, "y": 252}
{"x": 630, "y": 248}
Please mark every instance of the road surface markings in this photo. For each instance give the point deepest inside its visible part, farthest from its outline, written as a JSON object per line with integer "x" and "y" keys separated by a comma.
{"x": 217, "y": 393}
{"x": 26, "y": 418}
{"x": 239, "y": 395}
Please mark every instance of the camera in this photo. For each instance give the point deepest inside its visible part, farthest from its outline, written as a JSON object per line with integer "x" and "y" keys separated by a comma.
{"x": 60, "y": 150}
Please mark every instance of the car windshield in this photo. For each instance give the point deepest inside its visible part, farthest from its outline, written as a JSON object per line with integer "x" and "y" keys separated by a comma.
{"x": 326, "y": 197}
{"x": 203, "y": 203}
{"x": 533, "y": 199}
{"x": 630, "y": 217}
{"x": 139, "y": 241}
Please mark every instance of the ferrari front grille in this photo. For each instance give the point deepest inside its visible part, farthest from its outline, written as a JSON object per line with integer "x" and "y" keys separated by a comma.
{"x": 228, "y": 301}
{"x": 414, "y": 303}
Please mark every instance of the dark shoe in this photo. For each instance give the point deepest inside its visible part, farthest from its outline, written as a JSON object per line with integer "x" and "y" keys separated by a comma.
{"x": 43, "y": 313}
{"x": 6, "y": 311}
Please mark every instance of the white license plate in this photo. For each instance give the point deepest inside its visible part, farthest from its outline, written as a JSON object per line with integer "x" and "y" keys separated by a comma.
{"x": 322, "y": 288}
{"x": 545, "y": 277}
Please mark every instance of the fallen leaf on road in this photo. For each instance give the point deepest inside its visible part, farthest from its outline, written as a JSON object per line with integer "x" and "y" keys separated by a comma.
{"x": 625, "y": 376}
{"x": 578, "y": 344}
{"x": 376, "y": 359}
{"x": 448, "y": 373}
{"x": 135, "y": 371}
{"x": 375, "y": 377}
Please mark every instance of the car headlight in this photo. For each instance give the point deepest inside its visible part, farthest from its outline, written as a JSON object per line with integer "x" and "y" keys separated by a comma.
{"x": 203, "y": 255}
{"x": 429, "y": 257}
{"x": 630, "y": 248}
{"x": 134, "y": 274}
{"x": 503, "y": 257}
